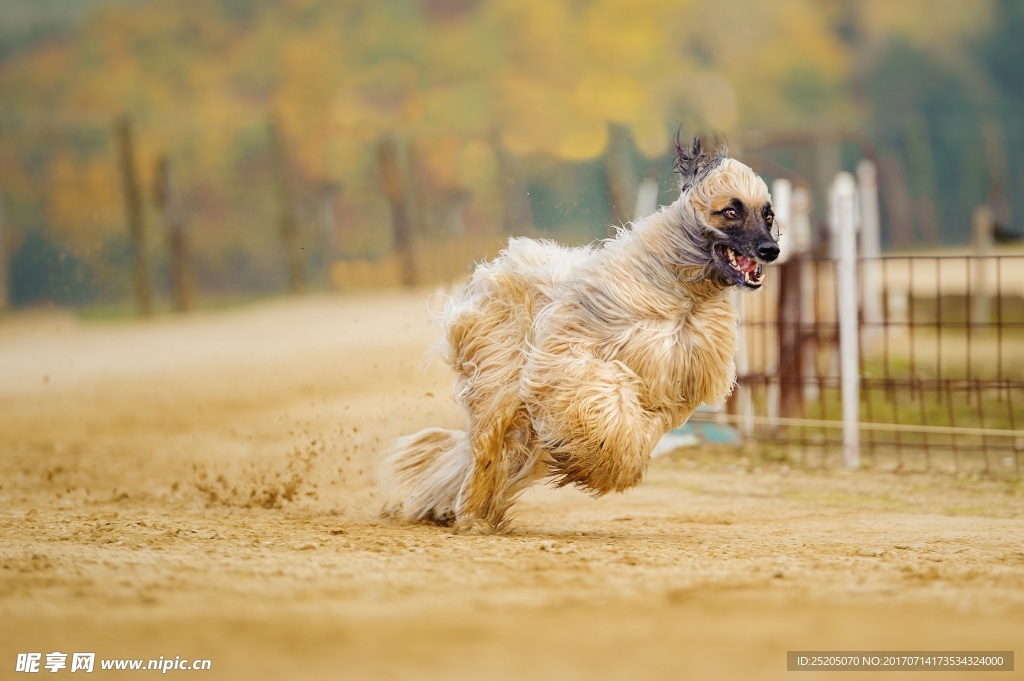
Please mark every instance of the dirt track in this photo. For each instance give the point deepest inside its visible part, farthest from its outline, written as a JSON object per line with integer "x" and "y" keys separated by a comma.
{"x": 204, "y": 488}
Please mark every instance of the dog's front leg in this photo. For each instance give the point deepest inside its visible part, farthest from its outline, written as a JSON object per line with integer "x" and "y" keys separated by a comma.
{"x": 591, "y": 418}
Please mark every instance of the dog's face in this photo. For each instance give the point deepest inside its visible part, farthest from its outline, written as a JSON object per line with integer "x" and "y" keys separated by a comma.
{"x": 735, "y": 203}
{"x": 735, "y": 208}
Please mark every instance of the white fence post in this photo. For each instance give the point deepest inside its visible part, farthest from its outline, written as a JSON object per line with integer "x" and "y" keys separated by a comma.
{"x": 870, "y": 250}
{"x": 782, "y": 204}
{"x": 646, "y": 198}
{"x": 844, "y": 237}
{"x": 782, "y": 192}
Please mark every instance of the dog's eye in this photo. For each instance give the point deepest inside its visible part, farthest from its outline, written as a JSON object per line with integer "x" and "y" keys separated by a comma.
{"x": 731, "y": 214}
{"x": 769, "y": 218}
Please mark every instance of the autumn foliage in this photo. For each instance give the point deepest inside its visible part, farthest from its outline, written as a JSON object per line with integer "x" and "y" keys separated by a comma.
{"x": 476, "y": 95}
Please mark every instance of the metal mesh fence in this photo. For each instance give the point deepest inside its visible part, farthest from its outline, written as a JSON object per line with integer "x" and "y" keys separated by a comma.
{"x": 941, "y": 363}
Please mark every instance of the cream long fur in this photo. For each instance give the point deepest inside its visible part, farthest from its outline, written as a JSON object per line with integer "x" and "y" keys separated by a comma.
{"x": 572, "y": 362}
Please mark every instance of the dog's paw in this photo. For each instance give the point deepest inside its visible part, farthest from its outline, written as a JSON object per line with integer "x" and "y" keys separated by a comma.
{"x": 473, "y": 526}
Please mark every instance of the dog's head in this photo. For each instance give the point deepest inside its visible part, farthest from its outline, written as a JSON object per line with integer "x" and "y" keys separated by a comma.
{"x": 733, "y": 211}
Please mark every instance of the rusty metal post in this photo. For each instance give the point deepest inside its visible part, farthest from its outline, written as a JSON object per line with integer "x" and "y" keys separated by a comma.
{"x": 789, "y": 320}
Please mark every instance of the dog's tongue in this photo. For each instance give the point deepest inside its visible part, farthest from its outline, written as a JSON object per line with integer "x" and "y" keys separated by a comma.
{"x": 745, "y": 264}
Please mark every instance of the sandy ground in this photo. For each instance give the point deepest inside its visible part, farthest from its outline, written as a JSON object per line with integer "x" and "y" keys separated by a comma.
{"x": 204, "y": 488}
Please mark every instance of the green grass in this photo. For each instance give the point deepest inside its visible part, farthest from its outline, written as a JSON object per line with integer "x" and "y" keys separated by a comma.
{"x": 943, "y": 378}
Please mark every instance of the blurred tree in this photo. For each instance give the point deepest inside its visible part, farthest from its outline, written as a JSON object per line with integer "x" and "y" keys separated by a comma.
{"x": 930, "y": 118}
{"x": 131, "y": 187}
{"x": 287, "y": 224}
{"x": 1001, "y": 52}
{"x": 394, "y": 179}
{"x": 168, "y": 201}
{"x": 478, "y": 89}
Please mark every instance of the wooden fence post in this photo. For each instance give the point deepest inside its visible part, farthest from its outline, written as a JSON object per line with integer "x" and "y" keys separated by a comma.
{"x": 134, "y": 214}
{"x": 843, "y": 193}
{"x": 983, "y": 228}
{"x": 168, "y": 201}
{"x": 397, "y": 192}
{"x": 800, "y": 243}
{"x": 287, "y": 221}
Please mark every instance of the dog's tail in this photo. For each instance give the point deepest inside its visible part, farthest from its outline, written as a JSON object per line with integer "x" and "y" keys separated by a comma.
{"x": 425, "y": 474}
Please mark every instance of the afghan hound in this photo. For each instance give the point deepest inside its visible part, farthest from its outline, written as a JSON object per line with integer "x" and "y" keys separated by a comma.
{"x": 570, "y": 363}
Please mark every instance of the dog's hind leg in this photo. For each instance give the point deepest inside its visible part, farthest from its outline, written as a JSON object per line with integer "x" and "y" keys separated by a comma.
{"x": 426, "y": 472}
{"x": 490, "y": 488}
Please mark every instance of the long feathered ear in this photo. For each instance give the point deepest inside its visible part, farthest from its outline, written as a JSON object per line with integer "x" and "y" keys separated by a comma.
{"x": 693, "y": 162}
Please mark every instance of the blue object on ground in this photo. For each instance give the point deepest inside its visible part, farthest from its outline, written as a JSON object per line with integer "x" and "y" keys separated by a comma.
{"x": 698, "y": 431}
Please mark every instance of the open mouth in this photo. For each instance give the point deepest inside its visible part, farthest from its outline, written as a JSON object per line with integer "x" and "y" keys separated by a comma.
{"x": 748, "y": 270}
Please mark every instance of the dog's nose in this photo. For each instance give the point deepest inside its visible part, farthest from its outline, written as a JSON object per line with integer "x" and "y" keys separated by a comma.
{"x": 769, "y": 250}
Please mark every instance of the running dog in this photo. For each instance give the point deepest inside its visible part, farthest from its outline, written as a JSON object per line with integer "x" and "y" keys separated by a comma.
{"x": 571, "y": 363}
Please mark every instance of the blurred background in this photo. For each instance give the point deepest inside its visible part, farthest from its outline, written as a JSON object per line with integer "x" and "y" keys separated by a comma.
{"x": 162, "y": 155}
